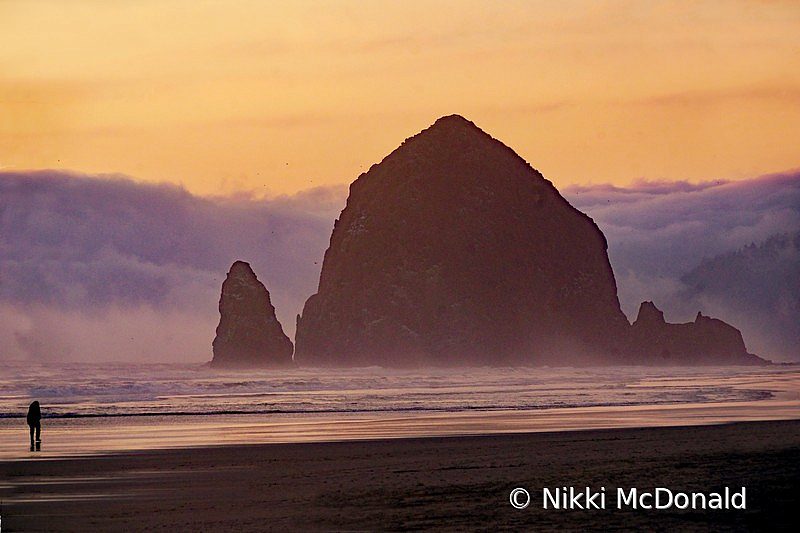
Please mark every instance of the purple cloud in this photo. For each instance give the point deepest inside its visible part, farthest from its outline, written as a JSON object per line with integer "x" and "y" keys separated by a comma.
{"x": 85, "y": 247}
{"x": 659, "y": 232}
{"x": 102, "y": 267}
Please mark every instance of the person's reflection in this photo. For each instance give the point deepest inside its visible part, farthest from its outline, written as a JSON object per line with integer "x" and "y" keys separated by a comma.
{"x": 35, "y": 424}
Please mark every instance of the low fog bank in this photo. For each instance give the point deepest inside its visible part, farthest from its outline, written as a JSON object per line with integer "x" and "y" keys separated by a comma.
{"x": 142, "y": 333}
{"x": 668, "y": 241}
{"x": 104, "y": 268}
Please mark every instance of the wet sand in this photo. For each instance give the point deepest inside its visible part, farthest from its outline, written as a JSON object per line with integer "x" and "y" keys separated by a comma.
{"x": 437, "y": 483}
{"x": 100, "y": 435}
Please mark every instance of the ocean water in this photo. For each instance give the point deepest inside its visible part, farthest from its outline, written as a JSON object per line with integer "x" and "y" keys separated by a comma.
{"x": 85, "y": 390}
{"x": 132, "y": 406}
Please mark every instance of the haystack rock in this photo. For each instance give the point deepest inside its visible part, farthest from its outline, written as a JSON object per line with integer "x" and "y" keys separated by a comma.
{"x": 248, "y": 334}
{"x": 454, "y": 250}
{"x": 704, "y": 341}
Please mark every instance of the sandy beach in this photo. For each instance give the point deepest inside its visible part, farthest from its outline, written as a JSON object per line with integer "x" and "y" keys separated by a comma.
{"x": 443, "y": 483}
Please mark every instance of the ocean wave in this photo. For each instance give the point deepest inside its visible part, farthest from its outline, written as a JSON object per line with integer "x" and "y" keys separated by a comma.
{"x": 92, "y": 391}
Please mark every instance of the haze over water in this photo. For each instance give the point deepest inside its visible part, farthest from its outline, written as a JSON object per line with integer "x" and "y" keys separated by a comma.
{"x": 100, "y": 408}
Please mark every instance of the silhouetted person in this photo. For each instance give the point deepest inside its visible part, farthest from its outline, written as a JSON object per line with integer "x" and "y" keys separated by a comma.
{"x": 34, "y": 423}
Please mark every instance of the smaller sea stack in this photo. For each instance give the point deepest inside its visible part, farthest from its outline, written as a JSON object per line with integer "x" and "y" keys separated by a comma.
{"x": 705, "y": 341}
{"x": 248, "y": 334}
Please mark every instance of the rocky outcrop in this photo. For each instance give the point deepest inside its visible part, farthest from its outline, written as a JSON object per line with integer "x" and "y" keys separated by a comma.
{"x": 704, "y": 341}
{"x": 248, "y": 333}
{"x": 453, "y": 250}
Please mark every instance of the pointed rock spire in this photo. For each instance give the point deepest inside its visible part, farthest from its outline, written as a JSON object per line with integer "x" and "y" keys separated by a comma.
{"x": 248, "y": 333}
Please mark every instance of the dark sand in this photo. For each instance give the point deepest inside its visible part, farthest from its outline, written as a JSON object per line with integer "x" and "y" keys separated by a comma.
{"x": 451, "y": 483}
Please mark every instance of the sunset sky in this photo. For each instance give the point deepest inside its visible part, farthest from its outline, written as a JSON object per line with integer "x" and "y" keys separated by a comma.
{"x": 276, "y": 97}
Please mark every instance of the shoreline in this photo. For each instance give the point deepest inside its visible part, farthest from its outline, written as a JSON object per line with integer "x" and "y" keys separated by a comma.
{"x": 444, "y": 482}
{"x": 63, "y": 437}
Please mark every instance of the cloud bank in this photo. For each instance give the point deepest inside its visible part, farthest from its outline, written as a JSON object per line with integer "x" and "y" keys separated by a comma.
{"x": 658, "y": 233}
{"x": 104, "y": 268}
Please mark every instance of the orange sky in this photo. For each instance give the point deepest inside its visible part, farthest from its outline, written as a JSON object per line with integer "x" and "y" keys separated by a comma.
{"x": 278, "y": 96}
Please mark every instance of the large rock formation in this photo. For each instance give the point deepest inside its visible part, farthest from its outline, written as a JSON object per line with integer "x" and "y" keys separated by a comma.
{"x": 704, "y": 341}
{"x": 453, "y": 250}
{"x": 248, "y": 334}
